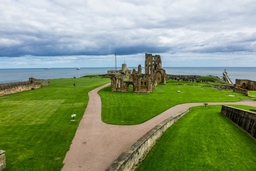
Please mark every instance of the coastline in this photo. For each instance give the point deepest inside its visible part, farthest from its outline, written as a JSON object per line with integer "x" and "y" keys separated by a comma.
{"x": 22, "y": 74}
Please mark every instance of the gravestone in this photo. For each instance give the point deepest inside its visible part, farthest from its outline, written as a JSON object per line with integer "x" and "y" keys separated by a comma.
{"x": 2, "y": 160}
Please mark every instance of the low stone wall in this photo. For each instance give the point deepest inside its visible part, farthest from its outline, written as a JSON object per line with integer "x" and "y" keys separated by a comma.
{"x": 17, "y": 87}
{"x": 243, "y": 118}
{"x": 2, "y": 160}
{"x": 132, "y": 157}
{"x": 241, "y": 90}
{"x": 183, "y": 77}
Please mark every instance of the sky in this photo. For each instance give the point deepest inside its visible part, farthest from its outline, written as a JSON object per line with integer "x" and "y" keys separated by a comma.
{"x": 88, "y": 33}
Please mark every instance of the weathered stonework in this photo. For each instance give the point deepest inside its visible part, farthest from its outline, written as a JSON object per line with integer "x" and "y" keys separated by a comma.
{"x": 243, "y": 118}
{"x": 2, "y": 160}
{"x": 189, "y": 78}
{"x": 241, "y": 90}
{"x": 17, "y": 87}
{"x": 125, "y": 71}
{"x": 132, "y": 157}
{"x": 141, "y": 83}
{"x": 246, "y": 84}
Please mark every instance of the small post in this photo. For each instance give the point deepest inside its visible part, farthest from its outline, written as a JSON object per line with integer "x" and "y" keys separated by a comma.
{"x": 2, "y": 160}
{"x": 73, "y": 116}
{"x": 205, "y": 104}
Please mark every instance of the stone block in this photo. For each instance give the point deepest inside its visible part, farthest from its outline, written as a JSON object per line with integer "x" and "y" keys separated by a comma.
{"x": 2, "y": 160}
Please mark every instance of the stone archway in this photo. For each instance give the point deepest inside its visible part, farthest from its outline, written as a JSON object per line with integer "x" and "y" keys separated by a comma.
{"x": 244, "y": 86}
{"x": 159, "y": 76}
{"x": 130, "y": 87}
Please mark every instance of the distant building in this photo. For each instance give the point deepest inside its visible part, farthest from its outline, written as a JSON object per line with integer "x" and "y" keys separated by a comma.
{"x": 125, "y": 71}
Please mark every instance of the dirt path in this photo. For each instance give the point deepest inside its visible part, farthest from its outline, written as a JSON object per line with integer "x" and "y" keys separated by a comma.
{"x": 96, "y": 144}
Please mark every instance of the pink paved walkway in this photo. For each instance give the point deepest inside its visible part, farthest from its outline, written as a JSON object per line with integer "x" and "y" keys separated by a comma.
{"x": 96, "y": 144}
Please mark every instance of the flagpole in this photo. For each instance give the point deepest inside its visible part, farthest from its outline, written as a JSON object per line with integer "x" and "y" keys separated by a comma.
{"x": 115, "y": 61}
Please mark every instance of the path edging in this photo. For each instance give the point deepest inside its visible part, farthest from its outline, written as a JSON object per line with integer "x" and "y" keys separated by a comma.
{"x": 132, "y": 157}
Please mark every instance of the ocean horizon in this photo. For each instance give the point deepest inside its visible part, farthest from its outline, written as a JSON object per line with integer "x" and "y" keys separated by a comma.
{"x": 22, "y": 74}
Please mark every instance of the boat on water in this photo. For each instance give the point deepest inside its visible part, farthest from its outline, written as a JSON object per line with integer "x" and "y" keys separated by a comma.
{"x": 78, "y": 68}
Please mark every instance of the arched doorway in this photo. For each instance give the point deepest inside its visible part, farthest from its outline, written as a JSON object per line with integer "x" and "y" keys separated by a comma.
{"x": 244, "y": 86}
{"x": 130, "y": 87}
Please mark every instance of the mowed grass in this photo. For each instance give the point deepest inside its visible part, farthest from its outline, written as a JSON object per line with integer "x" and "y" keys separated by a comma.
{"x": 202, "y": 140}
{"x": 252, "y": 93}
{"x": 35, "y": 126}
{"x": 133, "y": 108}
{"x": 244, "y": 107}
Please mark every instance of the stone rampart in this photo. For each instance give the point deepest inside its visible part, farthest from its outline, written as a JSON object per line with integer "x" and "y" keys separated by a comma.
{"x": 241, "y": 90}
{"x": 17, "y": 87}
{"x": 243, "y": 118}
{"x": 192, "y": 78}
{"x": 246, "y": 84}
{"x": 2, "y": 160}
{"x": 132, "y": 157}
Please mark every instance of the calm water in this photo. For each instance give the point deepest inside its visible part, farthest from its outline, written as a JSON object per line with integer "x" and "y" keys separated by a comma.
{"x": 15, "y": 75}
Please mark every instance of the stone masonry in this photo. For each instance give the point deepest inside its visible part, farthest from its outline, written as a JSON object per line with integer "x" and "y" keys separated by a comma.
{"x": 243, "y": 118}
{"x": 2, "y": 160}
{"x": 246, "y": 84}
{"x": 17, "y": 87}
{"x": 138, "y": 82}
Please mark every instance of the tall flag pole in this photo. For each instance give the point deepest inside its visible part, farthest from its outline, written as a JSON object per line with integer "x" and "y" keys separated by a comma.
{"x": 115, "y": 61}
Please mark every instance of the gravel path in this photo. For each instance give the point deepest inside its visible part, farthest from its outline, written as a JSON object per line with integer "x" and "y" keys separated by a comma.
{"x": 96, "y": 144}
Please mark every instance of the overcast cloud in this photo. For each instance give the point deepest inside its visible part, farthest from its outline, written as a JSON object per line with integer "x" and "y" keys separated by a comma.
{"x": 58, "y": 33}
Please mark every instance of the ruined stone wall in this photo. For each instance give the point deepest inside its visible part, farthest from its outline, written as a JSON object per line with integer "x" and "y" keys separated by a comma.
{"x": 124, "y": 71}
{"x": 132, "y": 157}
{"x": 241, "y": 90}
{"x": 142, "y": 83}
{"x": 243, "y": 118}
{"x": 17, "y": 87}
{"x": 246, "y": 84}
{"x": 183, "y": 77}
{"x": 2, "y": 160}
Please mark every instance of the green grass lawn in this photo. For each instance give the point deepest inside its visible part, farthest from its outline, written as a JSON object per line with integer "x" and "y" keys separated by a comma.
{"x": 36, "y": 129}
{"x": 244, "y": 107}
{"x": 202, "y": 140}
{"x": 133, "y": 108}
{"x": 252, "y": 93}
{"x": 35, "y": 126}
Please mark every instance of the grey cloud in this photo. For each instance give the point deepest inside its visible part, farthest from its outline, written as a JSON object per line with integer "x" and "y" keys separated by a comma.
{"x": 78, "y": 27}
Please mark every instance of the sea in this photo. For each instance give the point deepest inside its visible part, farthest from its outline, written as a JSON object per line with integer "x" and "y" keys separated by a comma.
{"x": 22, "y": 74}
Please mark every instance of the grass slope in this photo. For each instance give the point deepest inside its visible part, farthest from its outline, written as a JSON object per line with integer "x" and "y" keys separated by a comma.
{"x": 133, "y": 108}
{"x": 202, "y": 140}
{"x": 244, "y": 107}
{"x": 35, "y": 126}
{"x": 252, "y": 93}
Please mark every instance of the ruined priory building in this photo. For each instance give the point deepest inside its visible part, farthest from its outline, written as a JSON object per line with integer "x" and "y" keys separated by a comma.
{"x": 138, "y": 82}
{"x": 246, "y": 84}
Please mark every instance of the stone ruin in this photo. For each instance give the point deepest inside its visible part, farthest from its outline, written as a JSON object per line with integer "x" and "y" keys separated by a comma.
{"x": 138, "y": 82}
{"x": 124, "y": 71}
{"x": 240, "y": 83}
{"x": 246, "y": 84}
{"x": 31, "y": 84}
{"x": 2, "y": 160}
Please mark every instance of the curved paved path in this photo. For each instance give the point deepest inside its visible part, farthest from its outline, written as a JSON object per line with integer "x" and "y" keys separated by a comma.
{"x": 96, "y": 144}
